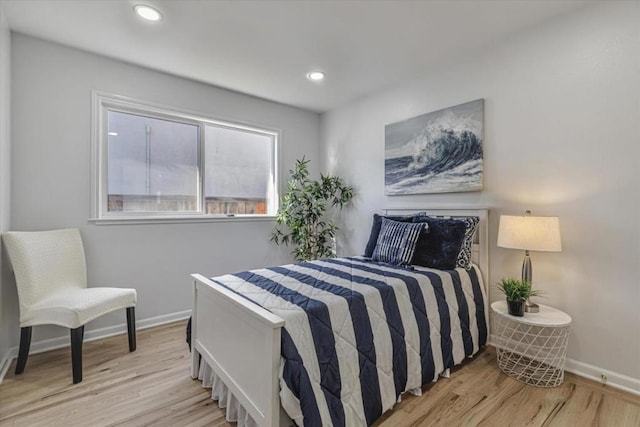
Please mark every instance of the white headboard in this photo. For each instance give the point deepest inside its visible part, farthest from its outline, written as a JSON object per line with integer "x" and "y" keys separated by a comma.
{"x": 480, "y": 248}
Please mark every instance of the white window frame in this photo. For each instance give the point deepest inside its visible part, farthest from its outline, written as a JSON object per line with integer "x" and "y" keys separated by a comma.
{"x": 103, "y": 102}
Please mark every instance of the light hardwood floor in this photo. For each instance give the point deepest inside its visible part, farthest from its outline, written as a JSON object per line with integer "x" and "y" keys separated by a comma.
{"x": 152, "y": 386}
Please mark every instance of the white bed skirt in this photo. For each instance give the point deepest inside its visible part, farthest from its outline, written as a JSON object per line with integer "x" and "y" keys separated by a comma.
{"x": 235, "y": 413}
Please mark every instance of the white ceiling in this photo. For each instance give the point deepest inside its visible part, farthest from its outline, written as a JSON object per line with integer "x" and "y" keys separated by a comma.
{"x": 265, "y": 48}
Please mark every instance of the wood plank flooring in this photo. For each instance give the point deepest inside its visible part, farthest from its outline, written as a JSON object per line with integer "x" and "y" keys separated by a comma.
{"x": 152, "y": 387}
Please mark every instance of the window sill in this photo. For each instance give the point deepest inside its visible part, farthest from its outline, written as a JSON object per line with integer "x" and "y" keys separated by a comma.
{"x": 179, "y": 219}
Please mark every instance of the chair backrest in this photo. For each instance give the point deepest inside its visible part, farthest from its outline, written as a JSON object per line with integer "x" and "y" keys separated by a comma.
{"x": 46, "y": 261}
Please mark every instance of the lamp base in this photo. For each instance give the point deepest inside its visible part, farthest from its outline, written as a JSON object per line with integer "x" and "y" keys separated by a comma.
{"x": 527, "y": 277}
{"x": 531, "y": 307}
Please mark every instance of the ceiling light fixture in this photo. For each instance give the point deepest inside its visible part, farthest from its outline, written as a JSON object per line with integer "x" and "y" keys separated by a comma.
{"x": 147, "y": 12}
{"x": 315, "y": 76}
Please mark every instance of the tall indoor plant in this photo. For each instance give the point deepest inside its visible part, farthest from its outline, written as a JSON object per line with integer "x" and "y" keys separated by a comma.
{"x": 302, "y": 218}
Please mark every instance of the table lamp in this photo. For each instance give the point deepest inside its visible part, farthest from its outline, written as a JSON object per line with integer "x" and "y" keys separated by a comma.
{"x": 531, "y": 233}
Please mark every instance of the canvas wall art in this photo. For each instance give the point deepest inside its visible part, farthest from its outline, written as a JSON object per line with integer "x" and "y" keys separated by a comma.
{"x": 438, "y": 152}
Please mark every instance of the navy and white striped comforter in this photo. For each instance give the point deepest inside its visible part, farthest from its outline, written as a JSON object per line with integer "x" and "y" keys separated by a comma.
{"x": 360, "y": 333}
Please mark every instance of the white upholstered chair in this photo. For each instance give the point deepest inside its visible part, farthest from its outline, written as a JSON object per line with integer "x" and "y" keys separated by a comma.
{"x": 51, "y": 276}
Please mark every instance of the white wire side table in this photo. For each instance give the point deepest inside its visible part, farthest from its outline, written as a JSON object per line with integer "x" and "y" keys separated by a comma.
{"x": 533, "y": 348}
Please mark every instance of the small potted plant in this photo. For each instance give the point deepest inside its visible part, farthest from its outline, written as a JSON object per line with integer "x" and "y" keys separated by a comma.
{"x": 517, "y": 292}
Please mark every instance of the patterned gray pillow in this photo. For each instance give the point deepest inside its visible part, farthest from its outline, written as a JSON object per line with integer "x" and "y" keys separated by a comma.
{"x": 397, "y": 242}
{"x": 464, "y": 257}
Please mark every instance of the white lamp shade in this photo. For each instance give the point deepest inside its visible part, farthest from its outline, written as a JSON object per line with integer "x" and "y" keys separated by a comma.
{"x": 534, "y": 233}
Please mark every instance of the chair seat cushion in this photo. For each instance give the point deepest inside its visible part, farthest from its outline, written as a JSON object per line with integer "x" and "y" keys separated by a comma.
{"x": 73, "y": 308}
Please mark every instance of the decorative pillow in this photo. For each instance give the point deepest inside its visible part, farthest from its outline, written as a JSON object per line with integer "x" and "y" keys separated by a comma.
{"x": 464, "y": 256}
{"x": 439, "y": 248}
{"x": 397, "y": 242}
{"x": 375, "y": 230}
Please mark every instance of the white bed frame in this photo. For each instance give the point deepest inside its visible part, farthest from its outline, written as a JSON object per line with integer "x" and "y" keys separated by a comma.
{"x": 241, "y": 340}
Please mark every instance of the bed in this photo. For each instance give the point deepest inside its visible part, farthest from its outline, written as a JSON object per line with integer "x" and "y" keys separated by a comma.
{"x": 336, "y": 341}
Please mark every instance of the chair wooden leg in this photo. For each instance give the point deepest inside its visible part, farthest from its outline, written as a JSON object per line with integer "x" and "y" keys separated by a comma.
{"x": 131, "y": 327}
{"x": 77, "y": 336}
{"x": 23, "y": 353}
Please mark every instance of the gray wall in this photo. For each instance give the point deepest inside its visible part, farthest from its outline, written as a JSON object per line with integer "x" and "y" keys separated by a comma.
{"x": 51, "y": 119}
{"x": 7, "y": 290}
{"x": 562, "y": 103}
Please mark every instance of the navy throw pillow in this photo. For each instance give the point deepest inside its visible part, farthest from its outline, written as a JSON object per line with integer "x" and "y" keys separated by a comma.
{"x": 375, "y": 231}
{"x": 397, "y": 242}
{"x": 439, "y": 248}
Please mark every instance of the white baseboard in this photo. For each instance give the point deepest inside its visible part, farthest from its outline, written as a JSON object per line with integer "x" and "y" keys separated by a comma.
{"x": 5, "y": 362}
{"x": 614, "y": 379}
{"x": 581, "y": 369}
{"x": 90, "y": 335}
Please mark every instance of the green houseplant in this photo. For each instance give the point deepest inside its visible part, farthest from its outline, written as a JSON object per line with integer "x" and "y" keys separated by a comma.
{"x": 302, "y": 218}
{"x": 516, "y": 292}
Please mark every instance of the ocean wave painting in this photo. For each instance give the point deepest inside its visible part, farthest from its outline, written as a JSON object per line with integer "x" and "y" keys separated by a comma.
{"x": 438, "y": 152}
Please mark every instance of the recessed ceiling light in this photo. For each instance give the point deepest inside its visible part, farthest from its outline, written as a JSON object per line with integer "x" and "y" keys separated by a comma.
{"x": 112, "y": 133}
{"x": 147, "y": 12}
{"x": 315, "y": 76}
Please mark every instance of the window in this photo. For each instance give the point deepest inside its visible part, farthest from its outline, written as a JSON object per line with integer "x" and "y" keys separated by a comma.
{"x": 151, "y": 162}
